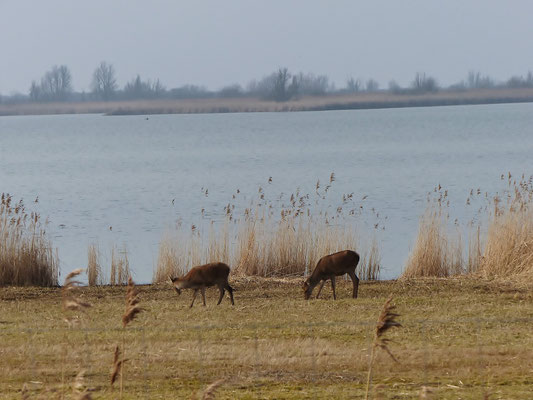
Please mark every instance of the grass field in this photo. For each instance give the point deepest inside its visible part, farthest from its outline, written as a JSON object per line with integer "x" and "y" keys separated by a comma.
{"x": 461, "y": 338}
{"x": 246, "y": 104}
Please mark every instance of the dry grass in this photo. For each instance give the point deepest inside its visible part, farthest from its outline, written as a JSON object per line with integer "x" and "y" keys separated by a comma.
{"x": 94, "y": 269}
{"x": 26, "y": 254}
{"x": 120, "y": 266}
{"x": 460, "y": 337}
{"x": 503, "y": 249}
{"x": 509, "y": 245}
{"x": 261, "y": 243}
{"x": 436, "y": 252}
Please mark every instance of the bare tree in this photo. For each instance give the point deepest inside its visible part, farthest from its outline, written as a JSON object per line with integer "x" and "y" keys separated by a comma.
{"x": 372, "y": 85}
{"x": 423, "y": 83}
{"x": 35, "y": 91}
{"x": 139, "y": 89}
{"x": 475, "y": 80}
{"x": 56, "y": 85}
{"x": 104, "y": 83}
{"x": 353, "y": 85}
{"x": 280, "y": 92}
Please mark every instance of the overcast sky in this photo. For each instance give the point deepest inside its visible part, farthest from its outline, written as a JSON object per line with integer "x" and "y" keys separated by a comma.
{"x": 216, "y": 43}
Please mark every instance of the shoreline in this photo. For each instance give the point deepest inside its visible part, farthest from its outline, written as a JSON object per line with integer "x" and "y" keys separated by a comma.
{"x": 358, "y": 101}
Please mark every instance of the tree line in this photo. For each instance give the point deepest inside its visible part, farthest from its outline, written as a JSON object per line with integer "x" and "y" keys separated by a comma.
{"x": 280, "y": 85}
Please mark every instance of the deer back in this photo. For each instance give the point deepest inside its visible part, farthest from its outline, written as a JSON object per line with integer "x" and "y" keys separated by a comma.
{"x": 336, "y": 264}
{"x": 207, "y": 275}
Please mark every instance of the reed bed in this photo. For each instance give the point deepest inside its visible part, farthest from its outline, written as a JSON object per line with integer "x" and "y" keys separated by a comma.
{"x": 94, "y": 268}
{"x": 509, "y": 243}
{"x": 26, "y": 253}
{"x": 437, "y": 252}
{"x": 503, "y": 247}
{"x": 262, "y": 243}
{"x": 361, "y": 100}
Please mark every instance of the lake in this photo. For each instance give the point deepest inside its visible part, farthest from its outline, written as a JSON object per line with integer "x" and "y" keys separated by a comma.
{"x": 127, "y": 180}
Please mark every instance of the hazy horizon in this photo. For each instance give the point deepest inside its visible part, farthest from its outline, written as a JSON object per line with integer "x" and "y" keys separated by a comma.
{"x": 220, "y": 43}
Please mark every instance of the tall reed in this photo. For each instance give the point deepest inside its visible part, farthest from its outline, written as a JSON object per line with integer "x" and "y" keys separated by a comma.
{"x": 438, "y": 249}
{"x": 120, "y": 266}
{"x": 502, "y": 248}
{"x": 261, "y": 242}
{"x": 94, "y": 269}
{"x": 509, "y": 245}
{"x": 436, "y": 252}
{"x": 26, "y": 254}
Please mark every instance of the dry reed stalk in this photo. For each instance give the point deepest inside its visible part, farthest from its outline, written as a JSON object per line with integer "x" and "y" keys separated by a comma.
{"x": 26, "y": 254}
{"x": 260, "y": 243}
{"x": 475, "y": 248}
{"x": 130, "y": 312}
{"x": 371, "y": 264}
{"x": 509, "y": 245}
{"x": 94, "y": 269}
{"x": 117, "y": 365}
{"x": 71, "y": 301}
{"x": 386, "y": 321}
{"x": 120, "y": 266}
{"x": 436, "y": 253}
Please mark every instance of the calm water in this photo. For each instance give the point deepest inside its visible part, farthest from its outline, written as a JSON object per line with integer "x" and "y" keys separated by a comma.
{"x": 93, "y": 172}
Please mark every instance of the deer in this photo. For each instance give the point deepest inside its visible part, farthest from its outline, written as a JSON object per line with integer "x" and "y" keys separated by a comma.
{"x": 203, "y": 276}
{"x": 330, "y": 266}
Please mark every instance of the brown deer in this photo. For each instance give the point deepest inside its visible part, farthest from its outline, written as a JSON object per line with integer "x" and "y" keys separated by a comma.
{"x": 328, "y": 267}
{"x": 203, "y": 276}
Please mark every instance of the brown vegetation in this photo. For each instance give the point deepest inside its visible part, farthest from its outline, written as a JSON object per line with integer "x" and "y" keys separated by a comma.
{"x": 260, "y": 243}
{"x": 26, "y": 254}
{"x": 94, "y": 269}
{"x": 504, "y": 249}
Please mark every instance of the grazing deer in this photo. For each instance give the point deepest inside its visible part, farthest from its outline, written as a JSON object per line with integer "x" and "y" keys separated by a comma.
{"x": 328, "y": 267}
{"x": 203, "y": 276}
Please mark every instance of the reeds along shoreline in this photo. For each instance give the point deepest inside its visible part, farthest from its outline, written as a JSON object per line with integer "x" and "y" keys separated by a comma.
{"x": 502, "y": 249}
{"x": 261, "y": 243}
{"x": 26, "y": 254}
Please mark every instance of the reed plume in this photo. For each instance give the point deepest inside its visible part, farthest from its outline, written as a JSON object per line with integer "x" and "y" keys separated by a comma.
{"x": 117, "y": 365}
{"x": 386, "y": 321}
{"x": 26, "y": 253}
{"x": 130, "y": 312}
{"x": 132, "y": 301}
{"x": 71, "y": 300}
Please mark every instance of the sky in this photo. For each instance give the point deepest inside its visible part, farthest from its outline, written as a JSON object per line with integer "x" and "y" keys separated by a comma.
{"x": 216, "y": 43}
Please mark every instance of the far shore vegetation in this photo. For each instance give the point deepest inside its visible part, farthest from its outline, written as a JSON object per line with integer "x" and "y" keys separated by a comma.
{"x": 280, "y": 91}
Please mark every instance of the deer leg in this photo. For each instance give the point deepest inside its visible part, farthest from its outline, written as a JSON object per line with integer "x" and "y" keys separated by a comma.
{"x": 333, "y": 286}
{"x": 230, "y": 291}
{"x": 320, "y": 288}
{"x": 355, "y": 281}
{"x": 193, "y": 297}
{"x": 203, "y": 294}
{"x": 221, "y": 294}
